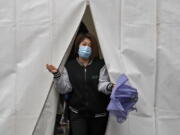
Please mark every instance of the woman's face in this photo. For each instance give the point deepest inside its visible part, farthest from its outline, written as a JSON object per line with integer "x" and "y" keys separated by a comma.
{"x": 86, "y": 42}
{"x": 85, "y": 50}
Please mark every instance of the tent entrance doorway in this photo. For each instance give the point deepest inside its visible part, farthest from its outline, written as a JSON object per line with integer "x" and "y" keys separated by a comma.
{"x": 86, "y": 26}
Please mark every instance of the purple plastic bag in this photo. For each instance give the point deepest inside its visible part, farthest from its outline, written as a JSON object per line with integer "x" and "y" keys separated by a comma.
{"x": 123, "y": 99}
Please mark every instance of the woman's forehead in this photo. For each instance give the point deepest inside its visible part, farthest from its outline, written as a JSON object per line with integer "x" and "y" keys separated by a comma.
{"x": 86, "y": 40}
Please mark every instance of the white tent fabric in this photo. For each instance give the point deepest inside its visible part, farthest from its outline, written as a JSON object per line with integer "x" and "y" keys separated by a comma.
{"x": 140, "y": 39}
{"x": 130, "y": 32}
{"x": 33, "y": 33}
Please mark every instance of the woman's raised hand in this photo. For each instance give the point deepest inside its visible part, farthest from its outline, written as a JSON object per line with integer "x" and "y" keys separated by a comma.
{"x": 51, "y": 68}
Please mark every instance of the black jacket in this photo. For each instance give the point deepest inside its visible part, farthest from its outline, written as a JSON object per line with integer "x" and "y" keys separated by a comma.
{"x": 84, "y": 80}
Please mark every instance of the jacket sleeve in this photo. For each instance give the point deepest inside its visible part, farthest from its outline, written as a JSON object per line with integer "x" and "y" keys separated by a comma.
{"x": 104, "y": 85}
{"x": 61, "y": 82}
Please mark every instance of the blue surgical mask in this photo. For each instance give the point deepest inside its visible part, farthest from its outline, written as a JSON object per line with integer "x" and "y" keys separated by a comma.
{"x": 84, "y": 51}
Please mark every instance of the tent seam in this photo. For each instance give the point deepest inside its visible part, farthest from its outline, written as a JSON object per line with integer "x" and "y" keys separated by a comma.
{"x": 16, "y": 67}
{"x": 156, "y": 68}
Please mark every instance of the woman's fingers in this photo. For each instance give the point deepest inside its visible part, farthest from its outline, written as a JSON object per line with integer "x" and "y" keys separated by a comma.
{"x": 114, "y": 85}
{"x": 51, "y": 68}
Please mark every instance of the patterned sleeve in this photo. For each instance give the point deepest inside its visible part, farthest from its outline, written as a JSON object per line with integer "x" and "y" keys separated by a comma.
{"x": 61, "y": 82}
{"x": 104, "y": 85}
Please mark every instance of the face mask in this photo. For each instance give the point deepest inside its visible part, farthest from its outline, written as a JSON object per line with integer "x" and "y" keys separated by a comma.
{"x": 84, "y": 51}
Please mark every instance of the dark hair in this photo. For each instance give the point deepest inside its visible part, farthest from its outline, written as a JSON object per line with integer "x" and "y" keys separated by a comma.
{"x": 93, "y": 40}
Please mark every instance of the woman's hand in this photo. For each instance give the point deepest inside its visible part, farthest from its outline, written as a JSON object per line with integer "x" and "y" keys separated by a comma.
{"x": 51, "y": 68}
{"x": 114, "y": 85}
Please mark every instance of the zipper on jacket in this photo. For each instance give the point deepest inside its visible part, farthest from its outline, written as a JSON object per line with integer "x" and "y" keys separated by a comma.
{"x": 85, "y": 73}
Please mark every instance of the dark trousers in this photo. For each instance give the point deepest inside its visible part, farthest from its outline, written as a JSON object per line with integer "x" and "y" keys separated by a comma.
{"x": 85, "y": 125}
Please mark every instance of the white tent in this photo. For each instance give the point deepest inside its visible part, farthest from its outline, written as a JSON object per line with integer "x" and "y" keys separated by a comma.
{"x": 138, "y": 38}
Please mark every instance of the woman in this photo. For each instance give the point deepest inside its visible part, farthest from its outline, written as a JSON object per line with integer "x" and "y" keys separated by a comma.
{"x": 86, "y": 80}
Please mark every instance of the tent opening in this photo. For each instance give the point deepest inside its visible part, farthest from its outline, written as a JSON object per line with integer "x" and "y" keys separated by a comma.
{"x": 86, "y": 26}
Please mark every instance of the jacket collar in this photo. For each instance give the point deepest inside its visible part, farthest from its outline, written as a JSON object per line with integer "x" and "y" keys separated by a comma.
{"x": 80, "y": 63}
